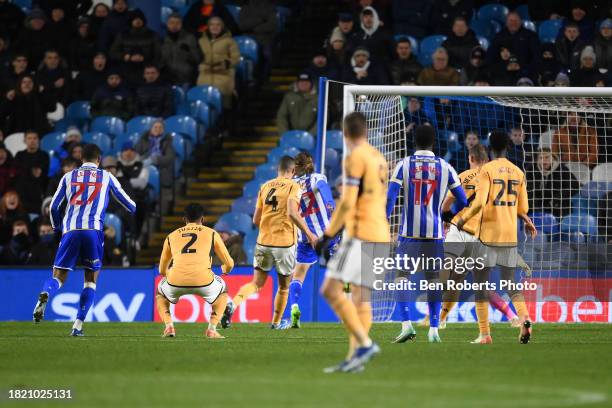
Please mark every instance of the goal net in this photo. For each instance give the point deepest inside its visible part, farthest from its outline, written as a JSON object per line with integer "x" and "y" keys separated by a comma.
{"x": 560, "y": 138}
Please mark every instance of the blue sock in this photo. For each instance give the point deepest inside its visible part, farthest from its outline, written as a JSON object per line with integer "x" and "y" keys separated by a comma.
{"x": 51, "y": 286}
{"x": 295, "y": 290}
{"x": 404, "y": 308}
{"x": 86, "y": 301}
{"x": 434, "y": 313}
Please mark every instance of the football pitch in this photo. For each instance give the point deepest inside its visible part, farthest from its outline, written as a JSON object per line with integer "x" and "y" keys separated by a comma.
{"x": 130, "y": 365}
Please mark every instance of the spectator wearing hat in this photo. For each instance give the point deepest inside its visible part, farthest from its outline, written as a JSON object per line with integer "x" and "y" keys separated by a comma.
{"x": 91, "y": 78}
{"x": 83, "y": 46}
{"x": 475, "y": 67}
{"x": 569, "y": 47}
{"x": 579, "y": 15}
{"x": 587, "y": 74}
{"x": 180, "y": 53}
{"x": 155, "y": 147}
{"x": 32, "y": 155}
{"x": 136, "y": 47}
{"x": 603, "y": 45}
{"x": 345, "y": 31}
{"x": 336, "y": 48}
{"x": 405, "y": 62}
{"x": 320, "y": 66}
{"x": 233, "y": 242}
{"x": 196, "y": 19}
{"x": 113, "y": 98}
{"x": 11, "y": 18}
{"x": 363, "y": 71}
{"x": 439, "y": 73}
{"x": 414, "y": 117}
{"x": 511, "y": 74}
{"x": 35, "y": 37}
{"x": 25, "y": 108}
{"x": 548, "y": 66}
{"x": 576, "y": 141}
{"x": 412, "y": 17}
{"x": 8, "y": 170}
{"x": 374, "y": 37}
{"x": 117, "y": 22}
{"x": 55, "y": 79}
{"x": 444, "y": 13}
{"x": 154, "y": 97}
{"x": 221, "y": 55}
{"x": 460, "y": 43}
{"x": 11, "y": 76}
{"x": 132, "y": 169}
{"x": 562, "y": 79}
{"x": 298, "y": 110}
{"x": 43, "y": 252}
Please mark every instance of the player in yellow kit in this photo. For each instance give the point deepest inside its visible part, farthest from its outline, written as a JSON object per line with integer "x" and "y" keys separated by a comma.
{"x": 362, "y": 214}
{"x": 501, "y": 195}
{"x": 276, "y": 214}
{"x": 185, "y": 265}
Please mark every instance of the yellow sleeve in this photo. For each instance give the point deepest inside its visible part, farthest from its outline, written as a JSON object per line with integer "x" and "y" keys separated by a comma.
{"x": 482, "y": 193}
{"x": 295, "y": 193}
{"x": 165, "y": 258}
{"x": 259, "y": 199}
{"x": 227, "y": 263}
{"x": 523, "y": 202}
{"x": 354, "y": 169}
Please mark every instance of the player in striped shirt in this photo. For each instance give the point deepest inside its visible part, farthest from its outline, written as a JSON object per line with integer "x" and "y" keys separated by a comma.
{"x": 425, "y": 180}
{"x": 83, "y": 193}
{"x": 316, "y": 207}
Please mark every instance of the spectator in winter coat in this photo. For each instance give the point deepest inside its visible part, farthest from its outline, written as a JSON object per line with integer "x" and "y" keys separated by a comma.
{"x": 411, "y": 17}
{"x": 459, "y": 43}
{"x": 61, "y": 30}
{"x": 569, "y": 47}
{"x": 67, "y": 164}
{"x": 55, "y": 79}
{"x": 180, "y": 53}
{"x": 549, "y": 66}
{"x": 90, "y": 79}
{"x": 517, "y": 149}
{"x": 155, "y": 147}
{"x": 347, "y": 31}
{"x": 32, "y": 155}
{"x": 258, "y": 20}
{"x": 603, "y": 45}
{"x": 439, "y": 73}
{"x": 31, "y": 187}
{"x": 363, "y": 71}
{"x": 18, "y": 68}
{"x": 154, "y": 98}
{"x": 444, "y": 13}
{"x": 196, "y": 19}
{"x": 25, "y": 108}
{"x": 550, "y": 185}
{"x": 298, "y": 110}
{"x": 475, "y": 68}
{"x": 113, "y": 98}
{"x": 337, "y": 53}
{"x": 460, "y": 160}
{"x": 374, "y": 37}
{"x": 221, "y": 55}
{"x": 511, "y": 74}
{"x": 414, "y": 117}
{"x": 43, "y": 252}
{"x": 578, "y": 15}
{"x": 83, "y": 46}
{"x": 131, "y": 168}
{"x": 11, "y": 18}
{"x": 587, "y": 74}
{"x": 96, "y": 19}
{"x": 11, "y": 210}
{"x": 114, "y": 24}
{"x": 35, "y": 37}
{"x": 576, "y": 141}
{"x": 320, "y": 66}
{"x": 405, "y": 62}
{"x": 8, "y": 170}
{"x": 17, "y": 250}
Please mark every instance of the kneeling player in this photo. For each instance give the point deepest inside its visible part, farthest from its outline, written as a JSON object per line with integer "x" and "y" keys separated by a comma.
{"x": 190, "y": 248}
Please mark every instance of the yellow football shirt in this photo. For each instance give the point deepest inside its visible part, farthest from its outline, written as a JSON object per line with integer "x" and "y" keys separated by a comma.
{"x": 469, "y": 181}
{"x": 275, "y": 227}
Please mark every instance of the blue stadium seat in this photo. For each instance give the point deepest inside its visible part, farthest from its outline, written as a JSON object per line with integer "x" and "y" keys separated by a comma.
{"x": 496, "y": 12}
{"x": 174, "y": 4}
{"x": 114, "y": 221}
{"x": 453, "y": 144}
{"x": 199, "y": 110}
{"x": 300, "y": 139}
{"x": 483, "y": 28}
{"x": 154, "y": 182}
{"x": 280, "y": 151}
{"x": 51, "y": 141}
{"x": 103, "y": 141}
{"x": 265, "y": 172}
{"x": 180, "y": 148}
{"x": 332, "y": 158}
{"x": 545, "y": 223}
{"x": 185, "y": 125}
{"x": 210, "y": 95}
{"x": 23, "y": 4}
{"x": 123, "y": 138}
{"x": 248, "y": 47}
{"x": 251, "y": 189}
{"x": 108, "y": 124}
{"x": 584, "y": 223}
{"x": 584, "y": 205}
{"x": 496, "y": 26}
{"x": 334, "y": 140}
{"x": 237, "y": 221}
{"x": 523, "y": 11}
{"x": 165, "y": 14}
{"x": 244, "y": 205}
{"x": 576, "y": 237}
{"x": 483, "y": 41}
{"x": 244, "y": 70}
{"x": 282, "y": 16}
{"x": 530, "y": 25}
{"x": 549, "y": 30}
{"x": 428, "y": 46}
{"x": 413, "y": 42}
{"x": 139, "y": 124}
{"x": 250, "y": 240}
{"x": 179, "y": 95}
{"x": 595, "y": 189}
{"x": 78, "y": 111}
{"x": 234, "y": 11}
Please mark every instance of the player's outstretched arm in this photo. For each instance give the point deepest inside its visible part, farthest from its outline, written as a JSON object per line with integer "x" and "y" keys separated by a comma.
{"x": 227, "y": 263}
{"x": 165, "y": 258}
{"x": 120, "y": 195}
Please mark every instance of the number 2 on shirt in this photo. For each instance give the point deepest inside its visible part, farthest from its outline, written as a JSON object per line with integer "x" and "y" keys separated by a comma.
{"x": 418, "y": 184}
{"x": 80, "y": 188}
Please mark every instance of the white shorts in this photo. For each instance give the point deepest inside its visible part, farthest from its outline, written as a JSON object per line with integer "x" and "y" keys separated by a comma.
{"x": 501, "y": 256}
{"x": 353, "y": 262}
{"x": 267, "y": 257}
{"x": 210, "y": 292}
{"x": 460, "y": 243}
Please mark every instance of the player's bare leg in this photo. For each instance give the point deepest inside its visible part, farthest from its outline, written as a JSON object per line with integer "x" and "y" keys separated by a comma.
{"x": 295, "y": 289}
{"x": 218, "y": 306}
{"x": 482, "y": 308}
{"x": 163, "y": 308}
{"x": 50, "y": 286}
{"x": 85, "y": 302}
{"x": 259, "y": 280}
{"x": 280, "y": 302}
{"x": 519, "y": 304}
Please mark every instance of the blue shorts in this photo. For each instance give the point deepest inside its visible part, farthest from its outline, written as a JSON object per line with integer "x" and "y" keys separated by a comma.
{"x": 426, "y": 248}
{"x": 86, "y": 246}
{"x": 307, "y": 255}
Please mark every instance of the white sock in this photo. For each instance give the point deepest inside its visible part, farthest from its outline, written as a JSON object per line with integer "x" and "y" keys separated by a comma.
{"x": 367, "y": 343}
{"x": 406, "y": 325}
{"x": 78, "y": 324}
{"x": 433, "y": 331}
{"x": 294, "y": 305}
{"x": 212, "y": 327}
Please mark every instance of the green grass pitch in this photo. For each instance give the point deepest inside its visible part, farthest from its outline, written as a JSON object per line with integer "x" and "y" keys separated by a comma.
{"x": 129, "y": 365}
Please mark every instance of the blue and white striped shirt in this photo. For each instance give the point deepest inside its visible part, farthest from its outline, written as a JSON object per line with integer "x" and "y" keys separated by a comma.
{"x": 86, "y": 191}
{"x": 316, "y": 203}
{"x": 425, "y": 179}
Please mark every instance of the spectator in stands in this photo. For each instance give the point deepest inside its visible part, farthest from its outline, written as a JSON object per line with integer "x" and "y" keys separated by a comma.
{"x": 111, "y": 164}
{"x": 155, "y": 148}
{"x": 136, "y": 47}
{"x": 180, "y": 53}
{"x": 347, "y": 31}
{"x": 35, "y": 37}
{"x": 221, "y": 55}
{"x": 548, "y": 67}
{"x": 411, "y": 17}
{"x": 524, "y": 43}
{"x": 25, "y": 108}
{"x": 32, "y": 155}
{"x": 18, "y": 68}
{"x": 575, "y": 141}
{"x": 8, "y": 170}
{"x": 414, "y": 117}
{"x": 11, "y": 18}
{"x": 603, "y": 45}
{"x": 405, "y": 62}
{"x": 55, "y": 79}
{"x": 475, "y": 68}
{"x": 113, "y": 98}
{"x": 511, "y": 74}
{"x": 258, "y": 20}
{"x": 233, "y": 242}
{"x": 320, "y": 66}
{"x": 83, "y": 46}
{"x": 60, "y": 29}
{"x": 11, "y": 210}
{"x": 374, "y": 37}
{"x": 43, "y": 252}
{"x": 112, "y": 253}
{"x": 444, "y": 13}
{"x": 336, "y": 49}
{"x": 131, "y": 168}
{"x": 461, "y": 162}
{"x": 579, "y": 16}
{"x": 114, "y": 24}
{"x": 68, "y": 164}
{"x": 32, "y": 187}
{"x": 91, "y": 78}
{"x": 569, "y": 47}
{"x": 298, "y": 110}
{"x": 5, "y": 54}
{"x": 381, "y": 7}
{"x": 460, "y": 43}
{"x": 516, "y": 150}
{"x": 363, "y": 71}
{"x": 546, "y": 9}
{"x": 75, "y": 150}
{"x": 154, "y": 97}
{"x": 96, "y": 19}
{"x": 562, "y": 79}
{"x": 550, "y": 184}
{"x": 587, "y": 74}
{"x": 17, "y": 250}
{"x": 72, "y": 8}
{"x": 73, "y": 135}
{"x": 196, "y": 19}
{"x": 439, "y": 73}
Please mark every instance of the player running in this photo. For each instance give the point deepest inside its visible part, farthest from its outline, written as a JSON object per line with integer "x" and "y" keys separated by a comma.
{"x": 361, "y": 213}
{"x": 276, "y": 214}
{"x": 425, "y": 180}
{"x": 85, "y": 192}
{"x": 189, "y": 249}
{"x": 501, "y": 195}
{"x": 316, "y": 207}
